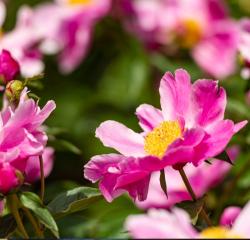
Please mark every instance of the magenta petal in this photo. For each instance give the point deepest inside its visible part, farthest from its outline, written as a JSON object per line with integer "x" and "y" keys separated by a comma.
{"x": 239, "y": 126}
{"x": 229, "y": 215}
{"x": 184, "y": 150}
{"x": 149, "y": 117}
{"x": 99, "y": 165}
{"x": 219, "y": 136}
{"x": 8, "y": 179}
{"x": 210, "y": 101}
{"x": 121, "y": 138}
{"x": 118, "y": 174}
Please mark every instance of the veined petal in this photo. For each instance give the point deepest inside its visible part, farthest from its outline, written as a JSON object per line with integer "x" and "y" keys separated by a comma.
{"x": 124, "y": 140}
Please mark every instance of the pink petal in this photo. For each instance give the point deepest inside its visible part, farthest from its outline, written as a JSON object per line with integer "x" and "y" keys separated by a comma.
{"x": 99, "y": 165}
{"x": 175, "y": 95}
{"x": 229, "y": 216}
{"x": 158, "y": 224}
{"x": 219, "y": 136}
{"x": 216, "y": 54}
{"x": 149, "y": 117}
{"x": 184, "y": 150}
{"x": 33, "y": 165}
{"x": 242, "y": 222}
{"x": 239, "y": 126}
{"x": 210, "y": 101}
{"x": 124, "y": 140}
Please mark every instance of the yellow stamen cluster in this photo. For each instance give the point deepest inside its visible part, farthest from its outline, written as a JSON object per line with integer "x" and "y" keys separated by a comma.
{"x": 219, "y": 233}
{"x": 192, "y": 33}
{"x": 157, "y": 141}
{"x": 79, "y": 2}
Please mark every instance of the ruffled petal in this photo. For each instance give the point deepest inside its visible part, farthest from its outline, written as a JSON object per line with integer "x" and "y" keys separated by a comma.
{"x": 210, "y": 102}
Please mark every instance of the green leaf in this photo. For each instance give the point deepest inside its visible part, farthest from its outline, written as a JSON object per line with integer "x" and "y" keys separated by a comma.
{"x": 73, "y": 201}
{"x": 163, "y": 182}
{"x": 224, "y": 157}
{"x": 32, "y": 201}
{"x": 7, "y": 225}
{"x": 193, "y": 208}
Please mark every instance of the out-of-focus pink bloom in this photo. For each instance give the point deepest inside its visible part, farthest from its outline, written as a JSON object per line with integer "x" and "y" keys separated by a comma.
{"x": 32, "y": 170}
{"x": 202, "y": 26}
{"x": 9, "y": 67}
{"x": 201, "y": 178}
{"x": 24, "y": 50}
{"x": 21, "y": 134}
{"x": 229, "y": 216}
{"x": 190, "y": 128}
{"x": 66, "y": 28}
{"x": 177, "y": 224}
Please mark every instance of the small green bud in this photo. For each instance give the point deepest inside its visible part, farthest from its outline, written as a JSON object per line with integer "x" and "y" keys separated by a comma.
{"x": 13, "y": 90}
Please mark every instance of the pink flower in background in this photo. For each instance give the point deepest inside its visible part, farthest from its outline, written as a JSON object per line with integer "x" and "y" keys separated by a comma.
{"x": 9, "y": 67}
{"x": 66, "y": 27}
{"x": 22, "y": 136}
{"x": 177, "y": 224}
{"x": 190, "y": 128}
{"x": 201, "y": 178}
{"x": 24, "y": 50}
{"x": 204, "y": 27}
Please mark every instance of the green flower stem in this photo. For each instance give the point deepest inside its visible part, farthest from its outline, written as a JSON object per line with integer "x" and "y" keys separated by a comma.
{"x": 33, "y": 222}
{"x": 192, "y": 194}
{"x": 13, "y": 201}
{"x": 42, "y": 179}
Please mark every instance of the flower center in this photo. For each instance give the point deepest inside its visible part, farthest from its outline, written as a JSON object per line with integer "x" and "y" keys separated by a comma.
{"x": 79, "y": 2}
{"x": 190, "y": 33}
{"x": 157, "y": 141}
{"x": 219, "y": 232}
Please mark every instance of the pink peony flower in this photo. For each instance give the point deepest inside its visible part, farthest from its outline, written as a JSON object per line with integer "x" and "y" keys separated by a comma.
{"x": 190, "y": 128}
{"x": 22, "y": 136}
{"x": 177, "y": 224}
{"x": 9, "y": 67}
{"x": 199, "y": 179}
{"x": 204, "y": 27}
